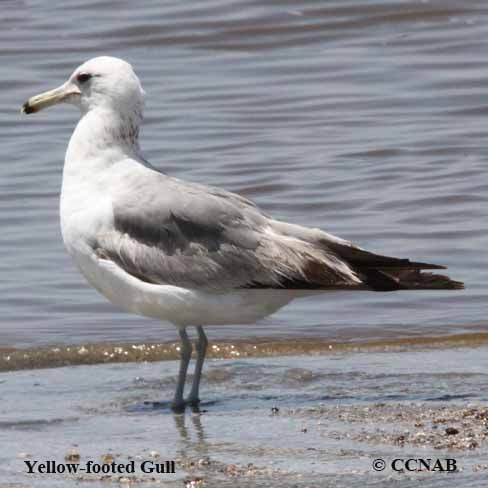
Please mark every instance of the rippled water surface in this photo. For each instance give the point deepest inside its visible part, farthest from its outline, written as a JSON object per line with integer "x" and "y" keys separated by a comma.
{"x": 365, "y": 118}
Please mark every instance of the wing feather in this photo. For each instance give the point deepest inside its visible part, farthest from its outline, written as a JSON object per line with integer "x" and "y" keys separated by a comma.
{"x": 170, "y": 232}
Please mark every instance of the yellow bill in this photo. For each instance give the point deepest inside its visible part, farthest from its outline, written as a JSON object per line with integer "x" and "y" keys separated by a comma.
{"x": 51, "y": 97}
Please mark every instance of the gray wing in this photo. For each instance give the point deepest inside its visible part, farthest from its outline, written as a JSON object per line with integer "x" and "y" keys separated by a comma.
{"x": 170, "y": 232}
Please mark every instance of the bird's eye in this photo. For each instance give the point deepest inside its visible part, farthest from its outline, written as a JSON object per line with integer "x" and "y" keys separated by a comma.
{"x": 83, "y": 77}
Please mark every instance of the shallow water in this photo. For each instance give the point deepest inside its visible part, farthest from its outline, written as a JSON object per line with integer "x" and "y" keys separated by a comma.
{"x": 300, "y": 421}
{"x": 365, "y": 118}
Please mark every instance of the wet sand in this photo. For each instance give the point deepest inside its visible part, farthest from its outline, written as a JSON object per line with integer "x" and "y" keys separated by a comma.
{"x": 94, "y": 353}
{"x": 292, "y": 421}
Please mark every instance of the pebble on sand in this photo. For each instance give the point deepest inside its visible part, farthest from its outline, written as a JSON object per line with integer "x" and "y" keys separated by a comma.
{"x": 72, "y": 456}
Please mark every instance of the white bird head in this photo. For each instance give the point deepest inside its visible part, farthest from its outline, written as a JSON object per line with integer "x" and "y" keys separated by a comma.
{"x": 104, "y": 82}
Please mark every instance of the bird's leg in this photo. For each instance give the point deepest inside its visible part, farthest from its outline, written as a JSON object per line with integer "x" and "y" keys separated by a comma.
{"x": 201, "y": 348}
{"x": 185, "y": 355}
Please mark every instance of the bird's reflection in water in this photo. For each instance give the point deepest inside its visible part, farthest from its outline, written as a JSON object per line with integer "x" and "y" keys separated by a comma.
{"x": 193, "y": 438}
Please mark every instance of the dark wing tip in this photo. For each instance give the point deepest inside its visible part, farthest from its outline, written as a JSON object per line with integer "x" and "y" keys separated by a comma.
{"x": 457, "y": 285}
{"x": 397, "y": 265}
{"x": 427, "y": 266}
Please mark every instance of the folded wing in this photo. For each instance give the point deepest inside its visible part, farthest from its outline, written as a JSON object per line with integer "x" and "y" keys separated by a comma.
{"x": 171, "y": 232}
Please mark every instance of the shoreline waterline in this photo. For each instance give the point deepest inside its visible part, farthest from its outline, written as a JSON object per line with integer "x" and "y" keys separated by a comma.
{"x": 12, "y": 359}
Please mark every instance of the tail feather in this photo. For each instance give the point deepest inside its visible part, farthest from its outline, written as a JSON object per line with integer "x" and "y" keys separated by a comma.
{"x": 385, "y": 273}
{"x": 409, "y": 280}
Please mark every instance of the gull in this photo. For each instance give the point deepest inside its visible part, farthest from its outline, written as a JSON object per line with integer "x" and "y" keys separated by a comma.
{"x": 190, "y": 254}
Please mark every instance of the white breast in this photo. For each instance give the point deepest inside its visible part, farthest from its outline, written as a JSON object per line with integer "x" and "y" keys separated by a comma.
{"x": 86, "y": 212}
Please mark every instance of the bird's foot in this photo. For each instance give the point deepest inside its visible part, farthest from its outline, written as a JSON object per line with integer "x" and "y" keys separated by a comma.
{"x": 178, "y": 406}
{"x": 193, "y": 401}
{"x": 194, "y": 404}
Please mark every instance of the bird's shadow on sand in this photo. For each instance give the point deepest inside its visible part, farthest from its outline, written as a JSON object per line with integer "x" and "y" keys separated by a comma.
{"x": 167, "y": 407}
{"x": 236, "y": 403}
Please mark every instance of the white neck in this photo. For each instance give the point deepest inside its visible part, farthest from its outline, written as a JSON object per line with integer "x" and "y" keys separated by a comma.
{"x": 102, "y": 138}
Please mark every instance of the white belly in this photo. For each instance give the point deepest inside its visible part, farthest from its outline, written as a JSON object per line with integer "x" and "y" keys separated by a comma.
{"x": 180, "y": 306}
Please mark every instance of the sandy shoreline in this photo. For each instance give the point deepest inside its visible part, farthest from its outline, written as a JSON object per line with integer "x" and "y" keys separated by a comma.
{"x": 289, "y": 421}
{"x": 12, "y": 359}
